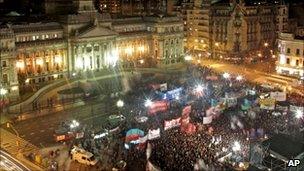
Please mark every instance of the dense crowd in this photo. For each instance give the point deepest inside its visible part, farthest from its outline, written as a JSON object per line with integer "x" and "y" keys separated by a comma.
{"x": 176, "y": 150}
{"x": 206, "y": 148}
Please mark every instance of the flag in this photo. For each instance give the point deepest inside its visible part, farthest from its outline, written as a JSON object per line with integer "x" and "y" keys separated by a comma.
{"x": 153, "y": 133}
{"x": 134, "y": 134}
{"x": 207, "y": 120}
{"x": 172, "y": 123}
{"x": 214, "y": 102}
{"x": 163, "y": 87}
{"x": 245, "y": 105}
{"x": 278, "y": 96}
{"x": 267, "y": 104}
{"x": 158, "y": 106}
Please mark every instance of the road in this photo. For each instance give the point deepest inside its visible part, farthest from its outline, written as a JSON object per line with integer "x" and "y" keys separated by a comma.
{"x": 39, "y": 131}
{"x": 8, "y": 163}
{"x": 256, "y": 76}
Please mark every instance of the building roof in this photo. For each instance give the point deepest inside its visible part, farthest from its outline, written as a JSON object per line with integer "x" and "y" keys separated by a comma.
{"x": 95, "y": 31}
{"x": 285, "y": 146}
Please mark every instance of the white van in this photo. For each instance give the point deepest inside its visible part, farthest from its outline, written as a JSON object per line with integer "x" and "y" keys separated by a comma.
{"x": 82, "y": 156}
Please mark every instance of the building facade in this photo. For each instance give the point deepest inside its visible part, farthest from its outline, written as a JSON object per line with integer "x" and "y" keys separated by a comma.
{"x": 291, "y": 55}
{"x": 33, "y": 54}
{"x": 230, "y": 28}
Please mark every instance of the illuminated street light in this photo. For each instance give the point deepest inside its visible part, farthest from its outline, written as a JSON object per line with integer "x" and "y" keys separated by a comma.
{"x": 120, "y": 103}
{"x": 199, "y": 88}
{"x": 188, "y": 58}
{"x": 141, "y": 61}
{"x": 3, "y": 91}
{"x": 273, "y": 56}
{"x": 299, "y": 114}
{"x": 226, "y": 75}
{"x": 148, "y": 103}
{"x": 239, "y": 78}
{"x": 259, "y": 54}
{"x": 74, "y": 124}
{"x": 216, "y": 44}
{"x": 236, "y": 146}
{"x": 266, "y": 44}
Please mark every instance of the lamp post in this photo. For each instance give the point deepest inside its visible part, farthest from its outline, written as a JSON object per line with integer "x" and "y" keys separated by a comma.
{"x": 119, "y": 104}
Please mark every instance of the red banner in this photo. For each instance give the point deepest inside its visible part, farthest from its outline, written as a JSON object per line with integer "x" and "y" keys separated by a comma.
{"x": 172, "y": 123}
{"x": 158, "y": 106}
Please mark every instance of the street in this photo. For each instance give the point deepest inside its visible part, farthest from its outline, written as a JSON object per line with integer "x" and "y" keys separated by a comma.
{"x": 255, "y": 75}
{"x": 40, "y": 131}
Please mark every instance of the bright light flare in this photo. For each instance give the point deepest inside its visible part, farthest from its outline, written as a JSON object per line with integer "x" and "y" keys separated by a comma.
{"x": 188, "y": 58}
{"x": 74, "y": 124}
{"x": 236, "y": 146}
{"x": 226, "y": 75}
{"x": 120, "y": 103}
{"x": 148, "y": 103}
{"x": 239, "y": 78}
{"x": 3, "y": 91}
{"x": 199, "y": 88}
{"x": 299, "y": 114}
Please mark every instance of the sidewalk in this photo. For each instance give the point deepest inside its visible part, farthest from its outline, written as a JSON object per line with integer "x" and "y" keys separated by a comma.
{"x": 19, "y": 148}
{"x": 47, "y": 111}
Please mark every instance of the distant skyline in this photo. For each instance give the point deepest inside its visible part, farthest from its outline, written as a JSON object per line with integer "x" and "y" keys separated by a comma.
{"x": 37, "y": 7}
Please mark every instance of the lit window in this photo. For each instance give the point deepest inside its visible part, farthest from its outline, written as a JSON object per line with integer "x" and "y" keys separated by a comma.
{"x": 55, "y": 35}
{"x": 34, "y": 37}
{"x": 46, "y": 36}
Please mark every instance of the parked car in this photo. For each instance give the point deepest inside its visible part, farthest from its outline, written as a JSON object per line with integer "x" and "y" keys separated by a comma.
{"x": 82, "y": 156}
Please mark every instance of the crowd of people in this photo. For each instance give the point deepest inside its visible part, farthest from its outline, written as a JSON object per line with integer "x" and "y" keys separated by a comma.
{"x": 176, "y": 150}
{"x": 211, "y": 143}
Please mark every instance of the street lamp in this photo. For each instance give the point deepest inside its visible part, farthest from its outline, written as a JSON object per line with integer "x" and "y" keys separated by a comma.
{"x": 199, "y": 88}
{"x": 239, "y": 78}
{"x": 226, "y": 75}
{"x": 266, "y": 44}
{"x": 3, "y": 91}
{"x": 74, "y": 124}
{"x": 120, "y": 103}
{"x": 299, "y": 114}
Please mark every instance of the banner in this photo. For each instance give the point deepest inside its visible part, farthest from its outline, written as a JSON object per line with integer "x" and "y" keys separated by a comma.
{"x": 281, "y": 108}
{"x": 230, "y": 102}
{"x": 172, "y": 123}
{"x": 158, "y": 106}
{"x": 207, "y": 120}
{"x": 212, "y": 77}
{"x": 152, "y": 134}
{"x": 279, "y": 96}
{"x": 294, "y": 109}
{"x": 173, "y": 94}
{"x": 267, "y": 104}
{"x": 163, "y": 87}
{"x": 140, "y": 140}
{"x": 186, "y": 111}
